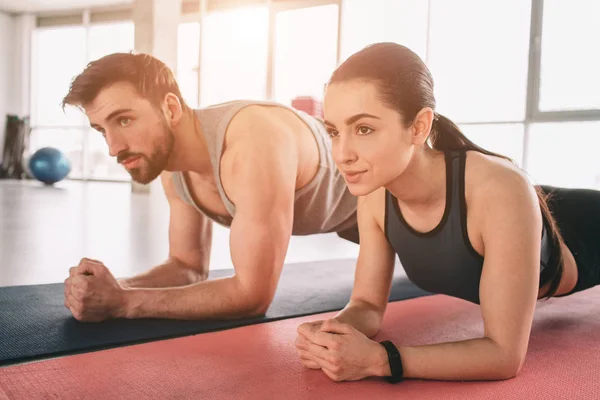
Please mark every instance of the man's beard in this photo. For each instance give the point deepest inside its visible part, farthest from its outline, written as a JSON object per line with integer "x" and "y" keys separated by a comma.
{"x": 151, "y": 167}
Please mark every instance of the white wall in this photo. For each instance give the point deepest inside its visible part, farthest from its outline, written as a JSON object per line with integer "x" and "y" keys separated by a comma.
{"x": 23, "y": 27}
{"x": 6, "y": 71}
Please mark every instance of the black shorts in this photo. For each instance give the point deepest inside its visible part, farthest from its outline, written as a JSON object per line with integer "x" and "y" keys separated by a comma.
{"x": 350, "y": 234}
{"x": 577, "y": 214}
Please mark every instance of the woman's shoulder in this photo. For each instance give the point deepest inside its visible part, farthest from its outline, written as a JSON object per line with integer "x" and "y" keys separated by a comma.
{"x": 485, "y": 168}
{"x": 491, "y": 179}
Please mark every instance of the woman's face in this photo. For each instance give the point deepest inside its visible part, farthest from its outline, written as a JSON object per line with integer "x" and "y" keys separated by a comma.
{"x": 370, "y": 144}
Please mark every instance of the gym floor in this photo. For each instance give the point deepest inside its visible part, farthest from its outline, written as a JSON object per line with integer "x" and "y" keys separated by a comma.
{"x": 46, "y": 230}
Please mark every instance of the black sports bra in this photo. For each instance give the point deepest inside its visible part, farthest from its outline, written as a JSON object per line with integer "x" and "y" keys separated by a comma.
{"x": 443, "y": 259}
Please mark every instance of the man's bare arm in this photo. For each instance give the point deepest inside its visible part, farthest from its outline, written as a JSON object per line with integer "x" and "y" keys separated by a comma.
{"x": 261, "y": 169}
{"x": 190, "y": 239}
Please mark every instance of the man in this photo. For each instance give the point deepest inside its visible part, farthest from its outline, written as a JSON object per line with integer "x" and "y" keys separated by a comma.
{"x": 262, "y": 169}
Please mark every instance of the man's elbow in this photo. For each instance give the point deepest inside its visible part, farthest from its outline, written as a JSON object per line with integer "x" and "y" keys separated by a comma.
{"x": 257, "y": 308}
{"x": 189, "y": 273}
{"x": 194, "y": 276}
{"x": 257, "y": 304}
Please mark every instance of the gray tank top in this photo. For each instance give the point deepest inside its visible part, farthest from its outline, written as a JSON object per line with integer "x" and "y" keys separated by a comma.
{"x": 443, "y": 259}
{"x": 323, "y": 205}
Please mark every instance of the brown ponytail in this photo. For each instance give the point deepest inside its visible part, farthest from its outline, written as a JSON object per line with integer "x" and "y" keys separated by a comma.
{"x": 446, "y": 135}
{"x": 405, "y": 84}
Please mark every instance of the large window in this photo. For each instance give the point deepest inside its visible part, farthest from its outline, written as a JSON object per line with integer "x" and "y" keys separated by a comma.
{"x": 304, "y": 57}
{"x": 564, "y": 105}
{"x": 372, "y": 21}
{"x": 58, "y": 55}
{"x": 525, "y": 92}
{"x": 479, "y": 65}
{"x": 565, "y": 154}
{"x": 110, "y": 38}
{"x": 234, "y": 55}
{"x": 235, "y": 52}
{"x": 519, "y": 76}
{"x": 505, "y": 139}
{"x": 105, "y": 39}
{"x": 188, "y": 49}
{"x": 570, "y": 59}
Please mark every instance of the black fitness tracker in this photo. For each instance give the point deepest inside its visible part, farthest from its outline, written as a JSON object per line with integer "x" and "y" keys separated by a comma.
{"x": 395, "y": 362}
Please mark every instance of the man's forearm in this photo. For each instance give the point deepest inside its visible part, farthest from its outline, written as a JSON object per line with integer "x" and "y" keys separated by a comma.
{"x": 362, "y": 316}
{"x": 213, "y": 299}
{"x": 172, "y": 273}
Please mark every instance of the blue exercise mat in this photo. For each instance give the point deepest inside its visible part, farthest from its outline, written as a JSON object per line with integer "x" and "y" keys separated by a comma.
{"x": 34, "y": 322}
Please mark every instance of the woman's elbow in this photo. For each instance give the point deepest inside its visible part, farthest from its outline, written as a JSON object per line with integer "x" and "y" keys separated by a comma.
{"x": 510, "y": 367}
{"x": 371, "y": 331}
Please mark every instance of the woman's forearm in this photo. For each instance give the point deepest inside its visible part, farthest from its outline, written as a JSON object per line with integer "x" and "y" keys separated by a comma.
{"x": 474, "y": 359}
{"x": 362, "y": 316}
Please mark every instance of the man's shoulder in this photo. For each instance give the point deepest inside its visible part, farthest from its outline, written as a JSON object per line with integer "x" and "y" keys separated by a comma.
{"x": 253, "y": 118}
{"x": 255, "y": 125}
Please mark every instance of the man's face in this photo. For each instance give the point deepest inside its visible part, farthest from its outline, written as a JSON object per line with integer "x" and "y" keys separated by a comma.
{"x": 135, "y": 131}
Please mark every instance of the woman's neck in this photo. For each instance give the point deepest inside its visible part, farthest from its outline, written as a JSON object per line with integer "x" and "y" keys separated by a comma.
{"x": 423, "y": 182}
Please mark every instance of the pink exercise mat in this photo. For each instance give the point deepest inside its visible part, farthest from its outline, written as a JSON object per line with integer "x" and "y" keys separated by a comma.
{"x": 259, "y": 361}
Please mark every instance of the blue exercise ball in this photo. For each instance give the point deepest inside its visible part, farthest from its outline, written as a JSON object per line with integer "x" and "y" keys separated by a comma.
{"x": 49, "y": 165}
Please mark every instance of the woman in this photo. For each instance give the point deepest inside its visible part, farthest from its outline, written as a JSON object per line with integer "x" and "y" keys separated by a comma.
{"x": 463, "y": 221}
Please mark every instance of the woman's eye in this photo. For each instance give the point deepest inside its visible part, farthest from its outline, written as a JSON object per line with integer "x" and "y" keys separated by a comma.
{"x": 364, "y": 130}
{"x": 124, "y": 121}
{"x": 332, "y": 132}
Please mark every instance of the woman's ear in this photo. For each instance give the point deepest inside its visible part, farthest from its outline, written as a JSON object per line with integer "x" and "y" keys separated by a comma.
{"x": 421, "y": 126}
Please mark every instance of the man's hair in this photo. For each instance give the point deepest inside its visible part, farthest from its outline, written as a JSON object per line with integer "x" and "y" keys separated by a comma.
{"x": 150, "y": 76}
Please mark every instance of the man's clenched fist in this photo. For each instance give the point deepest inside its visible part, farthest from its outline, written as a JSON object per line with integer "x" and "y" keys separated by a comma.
{"x": 92, "y": 293}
